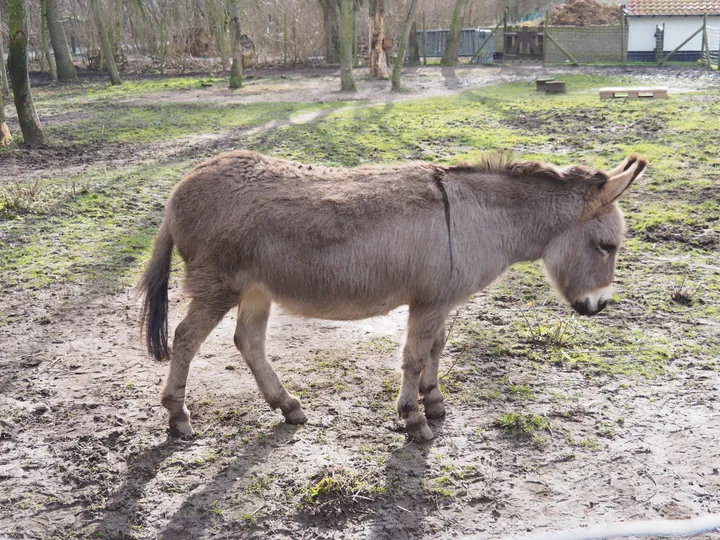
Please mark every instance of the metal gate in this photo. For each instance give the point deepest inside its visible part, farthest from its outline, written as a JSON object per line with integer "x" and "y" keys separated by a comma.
{"x": 470, "y": 41}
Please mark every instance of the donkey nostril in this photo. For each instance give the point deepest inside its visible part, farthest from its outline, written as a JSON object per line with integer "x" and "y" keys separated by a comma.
{"x": 603, "y": 305}
{"x": 581, "y": 307}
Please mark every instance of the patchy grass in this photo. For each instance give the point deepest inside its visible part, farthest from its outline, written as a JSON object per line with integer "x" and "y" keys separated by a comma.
{"x": 97, "y": 228}
{"x": 521, "y": 425}
{"x": 139, "y": 124}
{"x": 339, "y": 489}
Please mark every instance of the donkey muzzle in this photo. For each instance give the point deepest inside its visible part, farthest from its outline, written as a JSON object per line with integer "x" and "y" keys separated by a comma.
{"x": 585, "y": 307}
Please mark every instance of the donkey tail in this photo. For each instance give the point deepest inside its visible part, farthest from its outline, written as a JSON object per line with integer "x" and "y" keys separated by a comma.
{"x": 154, "y": 286}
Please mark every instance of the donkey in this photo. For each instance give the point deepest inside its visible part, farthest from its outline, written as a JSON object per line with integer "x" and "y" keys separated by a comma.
{"x": 348, "y": 244}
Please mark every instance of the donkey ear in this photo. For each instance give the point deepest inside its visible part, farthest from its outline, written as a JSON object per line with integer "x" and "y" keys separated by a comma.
{"x": 627, "y": 162}
{"x": 630, "y": 170}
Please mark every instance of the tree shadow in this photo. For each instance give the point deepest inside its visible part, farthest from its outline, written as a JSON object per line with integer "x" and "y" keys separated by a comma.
{"x": 450, "y": 79}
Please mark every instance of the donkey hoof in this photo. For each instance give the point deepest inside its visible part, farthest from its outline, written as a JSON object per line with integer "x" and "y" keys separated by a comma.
{"x": 181, "y": 428}
{"x": 419, "y": 433}
{"x": 180, "y": 423}
{"x": 417, "y": 428}
{"x": 296, "y": 416}
{"x": 435, "y": 410}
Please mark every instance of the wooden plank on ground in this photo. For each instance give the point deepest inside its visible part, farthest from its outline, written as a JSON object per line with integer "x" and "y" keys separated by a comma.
{"x": 634, "y": 93}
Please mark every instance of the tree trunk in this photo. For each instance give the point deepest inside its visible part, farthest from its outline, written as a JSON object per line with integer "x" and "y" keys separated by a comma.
{"x": 4, "y": 88}
{"x": 105, "y": 44}
{"x": 331, "y": 23}
{"x": 224, "y": 49}
{"x": 163, "y": 41}
{"x": 45, "y": 44}
{"x": 413, "y": 45}
{"x": 118, "y": 24}
{"x": 453, "y": 42}
{"x": 236, "y": 79}
{"x": 347, "y": 83}
{"x": 397, "y": 67}
{"x": 65, "y": 67}
{"x": 4, "y": 131}
{"x": 378, "y": 58}
{"x": 18, "y": 63}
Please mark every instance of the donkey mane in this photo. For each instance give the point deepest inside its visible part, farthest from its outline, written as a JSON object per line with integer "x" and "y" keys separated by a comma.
{"x": 509, "y": 166}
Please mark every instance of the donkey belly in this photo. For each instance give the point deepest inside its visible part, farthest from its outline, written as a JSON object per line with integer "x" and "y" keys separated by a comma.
{"x": 339, "y": 310}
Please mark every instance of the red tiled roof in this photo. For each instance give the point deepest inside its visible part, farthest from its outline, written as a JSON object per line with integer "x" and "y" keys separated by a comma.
{"x": 673, "y": 7}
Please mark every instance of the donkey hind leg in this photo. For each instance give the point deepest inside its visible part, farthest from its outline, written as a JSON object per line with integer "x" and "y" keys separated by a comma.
{"x": 252, "y": 321}
{"x": 424, "y": 324}
{"x": 432, "y": 397}
{"x": 203, "y": 315}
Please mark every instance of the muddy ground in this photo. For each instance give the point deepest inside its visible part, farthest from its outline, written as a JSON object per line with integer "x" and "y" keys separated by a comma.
{"x": 553, "y": 421}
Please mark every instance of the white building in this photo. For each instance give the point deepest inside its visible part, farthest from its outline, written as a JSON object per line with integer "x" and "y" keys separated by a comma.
{"x": 680, "y": 19}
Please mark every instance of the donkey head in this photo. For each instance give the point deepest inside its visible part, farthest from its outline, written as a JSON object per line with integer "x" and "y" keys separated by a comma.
{"x": 581, "y": 260}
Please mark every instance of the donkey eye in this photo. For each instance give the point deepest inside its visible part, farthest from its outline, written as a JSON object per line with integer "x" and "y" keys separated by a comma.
{"x": 605, "y": 249}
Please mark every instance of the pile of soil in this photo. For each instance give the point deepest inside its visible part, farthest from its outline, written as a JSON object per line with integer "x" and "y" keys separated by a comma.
{"x": 585, "y": 13}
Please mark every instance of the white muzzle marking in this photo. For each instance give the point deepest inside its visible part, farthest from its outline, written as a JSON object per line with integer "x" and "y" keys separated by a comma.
{"x": 595, "y": 298}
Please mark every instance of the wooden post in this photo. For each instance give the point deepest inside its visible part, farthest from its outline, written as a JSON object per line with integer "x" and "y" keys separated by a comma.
{"x": 706, "y": 43}
{"x": 562, "y": 49}
{"x": 355, "y": 38}
{"x": 622, "y": 38}
{"x": 545, "y": 34}
{"x": 505, "y": 18}
{"x": 482, "y": 45}
{"x": 661, "y": 62}
{"x": 424, "y": 41}
{"x": 285, "y": 38}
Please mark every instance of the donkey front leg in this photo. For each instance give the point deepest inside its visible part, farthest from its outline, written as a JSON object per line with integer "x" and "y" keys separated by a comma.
{"x": 250, "y": 332}
{"x": 432, "y": 397}
{"x": 203, "y": 315}
{"x": 424, "y": 324}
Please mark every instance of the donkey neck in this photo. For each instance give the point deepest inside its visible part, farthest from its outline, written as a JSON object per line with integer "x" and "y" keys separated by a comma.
{"x": 523, "y": 214}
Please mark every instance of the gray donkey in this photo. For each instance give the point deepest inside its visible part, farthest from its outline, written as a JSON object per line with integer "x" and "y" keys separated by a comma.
{"x": 349, "y": 244}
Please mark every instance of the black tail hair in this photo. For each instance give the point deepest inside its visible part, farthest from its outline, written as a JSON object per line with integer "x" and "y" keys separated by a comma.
{"x": 154, "y": 285}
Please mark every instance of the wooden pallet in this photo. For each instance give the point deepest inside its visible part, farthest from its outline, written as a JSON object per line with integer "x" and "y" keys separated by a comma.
{"x": 633, "y": 93}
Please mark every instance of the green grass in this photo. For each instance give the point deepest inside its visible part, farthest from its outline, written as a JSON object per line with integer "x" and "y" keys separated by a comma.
{"x": 521, "y": 425}
{"x": 97, "y": 228}
{"x": 137, "y": 124}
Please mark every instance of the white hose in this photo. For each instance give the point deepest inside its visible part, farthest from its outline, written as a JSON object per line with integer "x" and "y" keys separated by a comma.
{"x": 658, "y": 528}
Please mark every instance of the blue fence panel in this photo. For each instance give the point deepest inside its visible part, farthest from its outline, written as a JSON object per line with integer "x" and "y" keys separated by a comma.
{"x": 470, "y": 41}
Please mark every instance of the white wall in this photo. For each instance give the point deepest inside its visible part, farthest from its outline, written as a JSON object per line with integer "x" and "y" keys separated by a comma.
{"x": 677, "y": 29}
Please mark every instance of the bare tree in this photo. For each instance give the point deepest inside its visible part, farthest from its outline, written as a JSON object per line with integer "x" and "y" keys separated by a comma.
{"x": 378, "y": 58}
{"x": 401, "y": 46}
{"x": 45, "y": 44}
{"x": 347, "y": 83}
{"x": 105, "y": 44}
{"x": 65, "y": 67}
{"x": 331, "y": 18}
{"x": 452, "y": 48}
{"x": 236, "y": 78}
{"x": 18, "y": 63}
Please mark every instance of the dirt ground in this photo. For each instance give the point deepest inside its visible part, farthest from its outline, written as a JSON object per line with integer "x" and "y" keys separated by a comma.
{"x": 84, "y": 450}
